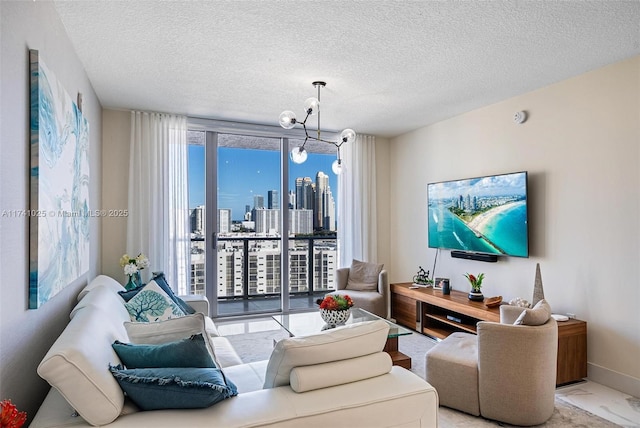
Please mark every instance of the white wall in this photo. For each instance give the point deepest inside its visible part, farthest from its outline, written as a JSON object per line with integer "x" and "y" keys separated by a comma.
{"x": 382, "y": 200}
{"x": 116, "y": 133}
{"x": 580, "y": 146}
{"x": 26, "y": 335}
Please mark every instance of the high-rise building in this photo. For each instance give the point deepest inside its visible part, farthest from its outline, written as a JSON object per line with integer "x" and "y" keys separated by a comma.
{"x": 322, "y": 181}
{"x": 273, "y": 199}
{"x": 267, "y": 221}
{"x": 292, "y": 199}
{"x": 304, "y": 193}
{"x": 258, "y": 202}
{"x": 328, "y": 219}
{"x": 224, "y": 220}
{"x": 324, "y": 210}
{"x": 264, "y": 268}
{"x": 301, "y": 222}
{"x": 198, "y": 220}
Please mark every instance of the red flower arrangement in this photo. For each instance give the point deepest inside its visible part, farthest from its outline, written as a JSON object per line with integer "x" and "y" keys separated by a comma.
{"x": 10, "y": 417}
{"x": 336, "y": 302}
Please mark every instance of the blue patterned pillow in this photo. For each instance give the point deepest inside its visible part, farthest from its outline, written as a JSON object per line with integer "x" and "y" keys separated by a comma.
{"x": 189, "y": 352}
{"x": 174, "y": 387}
{"x": 152, "y": 304}
{"x": 160, "y": 279}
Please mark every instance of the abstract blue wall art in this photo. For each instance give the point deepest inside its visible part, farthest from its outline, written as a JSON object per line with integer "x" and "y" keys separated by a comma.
{"x": 59, "y": 205}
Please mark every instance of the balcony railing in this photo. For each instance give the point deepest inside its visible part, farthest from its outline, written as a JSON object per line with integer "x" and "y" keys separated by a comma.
{"x": 252, "y": 267}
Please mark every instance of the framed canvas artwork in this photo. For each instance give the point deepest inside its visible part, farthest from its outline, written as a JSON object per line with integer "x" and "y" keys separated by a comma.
{"x": 59, "y": 200}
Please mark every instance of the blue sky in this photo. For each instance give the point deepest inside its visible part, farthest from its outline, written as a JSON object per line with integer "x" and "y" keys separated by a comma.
{"x": 495, "y": 185}
{"x": 243, "y": 173}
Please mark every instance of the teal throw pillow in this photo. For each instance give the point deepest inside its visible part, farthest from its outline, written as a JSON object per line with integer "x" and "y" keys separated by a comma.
{"x": 162, "y": 282}
{"x": 174, "y": 387}
{"x": 188, "y": 352}
{"x": 128, "y": 294}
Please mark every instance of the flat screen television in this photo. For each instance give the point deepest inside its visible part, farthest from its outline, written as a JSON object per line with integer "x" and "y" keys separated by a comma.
{"x": 485, "y": 215}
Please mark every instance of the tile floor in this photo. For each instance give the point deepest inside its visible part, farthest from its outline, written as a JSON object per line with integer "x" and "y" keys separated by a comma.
{"x": 609, "y": 404}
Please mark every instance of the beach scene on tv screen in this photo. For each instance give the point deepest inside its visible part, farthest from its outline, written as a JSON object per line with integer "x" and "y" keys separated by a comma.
{"x": 486, "y": 214}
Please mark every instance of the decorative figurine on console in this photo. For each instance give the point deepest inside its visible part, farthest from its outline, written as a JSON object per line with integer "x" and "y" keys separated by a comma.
{"x": 422, "y": 278}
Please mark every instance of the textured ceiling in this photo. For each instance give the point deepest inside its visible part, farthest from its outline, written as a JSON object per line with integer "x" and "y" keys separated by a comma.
{"x": 390, "y": 66}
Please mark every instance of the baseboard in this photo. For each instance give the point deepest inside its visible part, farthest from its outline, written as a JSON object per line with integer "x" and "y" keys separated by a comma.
{"x": 612, "y": 379}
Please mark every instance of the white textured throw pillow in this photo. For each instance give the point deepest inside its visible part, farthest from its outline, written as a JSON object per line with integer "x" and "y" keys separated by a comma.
{"x": 537, "y": 316}
{"x": 152, "y": 304}
{"x": 363, "y": 276}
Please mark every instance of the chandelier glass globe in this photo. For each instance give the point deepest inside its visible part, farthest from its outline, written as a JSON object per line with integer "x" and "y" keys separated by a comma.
{"x": 348, "y": 136}
{"x": 337, "y": 167}
{"x": 287, "y": 119}
{"x": 311, "y": 105}
{"x": 298, "y": 155}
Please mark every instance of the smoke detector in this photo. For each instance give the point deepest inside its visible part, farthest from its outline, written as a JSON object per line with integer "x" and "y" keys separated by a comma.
{"x": 519, "y": 117}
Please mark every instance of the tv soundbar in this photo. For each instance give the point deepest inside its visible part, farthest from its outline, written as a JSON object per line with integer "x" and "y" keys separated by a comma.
{"x": 483, "y": 257}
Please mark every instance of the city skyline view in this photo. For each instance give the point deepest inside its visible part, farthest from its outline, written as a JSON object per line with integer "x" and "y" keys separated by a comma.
{"x": 244, "y": 173}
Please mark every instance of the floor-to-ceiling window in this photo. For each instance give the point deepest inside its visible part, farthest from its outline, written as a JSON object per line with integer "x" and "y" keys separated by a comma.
{"x": 264, "y": 204}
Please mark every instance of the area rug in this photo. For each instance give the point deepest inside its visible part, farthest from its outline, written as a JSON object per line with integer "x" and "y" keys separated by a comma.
{"x": 258, "y": 346}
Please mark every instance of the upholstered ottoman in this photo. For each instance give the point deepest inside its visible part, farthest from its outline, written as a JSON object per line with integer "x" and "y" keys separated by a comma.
{"x": 452, "y": 369}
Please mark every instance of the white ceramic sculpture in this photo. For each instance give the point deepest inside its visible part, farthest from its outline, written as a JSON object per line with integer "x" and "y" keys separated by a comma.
{"x": 519, "y": 301}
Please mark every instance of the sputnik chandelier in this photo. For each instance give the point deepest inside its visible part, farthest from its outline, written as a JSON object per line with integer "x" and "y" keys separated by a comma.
{"x": 312, "y": 108}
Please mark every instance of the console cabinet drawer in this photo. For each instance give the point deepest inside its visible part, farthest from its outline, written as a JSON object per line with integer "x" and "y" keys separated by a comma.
{"x": 404, "y": 310}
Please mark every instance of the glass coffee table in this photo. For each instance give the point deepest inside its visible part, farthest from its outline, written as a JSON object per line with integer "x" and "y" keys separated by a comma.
{"x": 307, "y": 323}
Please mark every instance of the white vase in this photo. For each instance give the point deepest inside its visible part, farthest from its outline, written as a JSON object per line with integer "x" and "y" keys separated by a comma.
{"x": 333, "y": 318}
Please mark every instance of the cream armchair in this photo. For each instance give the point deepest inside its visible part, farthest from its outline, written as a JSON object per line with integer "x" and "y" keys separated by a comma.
{"x": 374, "y": 301}
{"x": 505, "y": 373}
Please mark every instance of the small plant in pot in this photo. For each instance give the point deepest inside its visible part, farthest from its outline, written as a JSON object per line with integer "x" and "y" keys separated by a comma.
{"x": 476, "y": 286}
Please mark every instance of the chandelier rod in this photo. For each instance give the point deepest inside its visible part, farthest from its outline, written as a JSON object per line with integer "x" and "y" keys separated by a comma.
{"x": 319, "y": 85}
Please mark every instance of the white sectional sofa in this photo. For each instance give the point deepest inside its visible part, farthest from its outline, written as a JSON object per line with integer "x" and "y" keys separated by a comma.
{"x": 336, "y": 378}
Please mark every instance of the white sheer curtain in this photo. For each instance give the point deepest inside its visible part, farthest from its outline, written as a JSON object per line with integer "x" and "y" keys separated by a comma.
{"x": 158, "y": 222}
{"x": 357, "y": 219}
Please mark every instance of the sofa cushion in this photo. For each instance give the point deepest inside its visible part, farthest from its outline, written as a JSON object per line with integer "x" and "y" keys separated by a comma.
{"x": 363, "y": 276}
{"x": 77, "y": 365}
{"x": 152, "y": 303}
{"x": 105, "y": 298}
{"x": 174, "y": 387}
{"x": 188, "y": 352}
{"x": 226, "y": 355}
{"x": 101, "y": 280}
{"x": 308, "y": 378}
{"x": 349, "y": 341}
{"x": 247, "y": 377}
{"x": 154, "y": 333}
{"x": 538, "y": 315}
